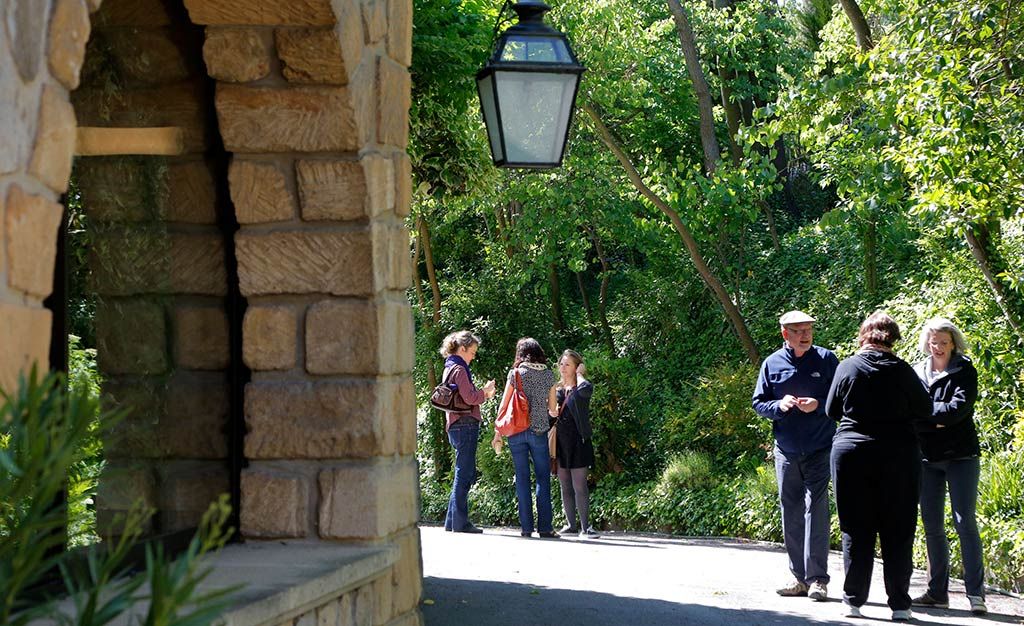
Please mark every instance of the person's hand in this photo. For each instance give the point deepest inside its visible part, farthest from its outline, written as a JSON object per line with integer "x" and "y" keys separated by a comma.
{"x": 489, "y": 389}
{"x": 787, "y": 402}
{"x": 497, "y": 442}
{"x": 807, "y": 405}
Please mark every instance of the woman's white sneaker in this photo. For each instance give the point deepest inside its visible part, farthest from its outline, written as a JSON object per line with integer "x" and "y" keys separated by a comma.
{"x": 852, "y": 611}
{"x": 818, "y": 591}
{"x": 902, "y": 615}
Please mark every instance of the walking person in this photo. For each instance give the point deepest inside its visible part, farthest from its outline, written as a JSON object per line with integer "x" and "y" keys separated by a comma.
{"x": 531, "y": 445}
{"x": 463, "y": 427}
{"x": 876, "y": 464}
{"x": 791, "y": 389}
{"x": 951, "y": 455}
{"x": 574, "y": 442}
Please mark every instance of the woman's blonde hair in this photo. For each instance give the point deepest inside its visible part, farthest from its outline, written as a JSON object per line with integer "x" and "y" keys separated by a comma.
{"x": 941, "y": 325}
{"x": 456, "y": 340}
{"x": 577, "y": 358}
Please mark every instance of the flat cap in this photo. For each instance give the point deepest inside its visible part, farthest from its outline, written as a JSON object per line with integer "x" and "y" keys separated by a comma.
{"x": 794, "y": 317}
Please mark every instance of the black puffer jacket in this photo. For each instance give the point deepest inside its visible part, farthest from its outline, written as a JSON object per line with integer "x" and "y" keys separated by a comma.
{"x": 949, "y": 433}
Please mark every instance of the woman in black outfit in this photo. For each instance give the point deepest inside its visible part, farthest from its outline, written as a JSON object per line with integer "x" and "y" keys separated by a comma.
{"x": 876, "y": 464}
{"x": 575, "y": 449}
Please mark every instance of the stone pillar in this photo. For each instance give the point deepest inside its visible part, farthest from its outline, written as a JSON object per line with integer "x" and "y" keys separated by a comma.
{"x": 312, "y": 100}
{"x": 158, "y": 265}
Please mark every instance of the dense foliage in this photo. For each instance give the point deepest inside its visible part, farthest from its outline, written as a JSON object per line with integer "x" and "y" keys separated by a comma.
{"x": 851, "y": 178}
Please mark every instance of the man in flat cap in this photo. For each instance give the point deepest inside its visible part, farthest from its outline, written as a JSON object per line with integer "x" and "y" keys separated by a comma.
{"x": 791, "y": 390}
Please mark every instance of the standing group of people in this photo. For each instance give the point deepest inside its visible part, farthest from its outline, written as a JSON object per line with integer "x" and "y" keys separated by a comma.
{"x": 558, "y": 439}
{"x": 904, "y": 433}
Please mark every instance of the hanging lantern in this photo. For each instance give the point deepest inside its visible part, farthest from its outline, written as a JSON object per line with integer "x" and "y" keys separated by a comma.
{"x": 528, "y": 91}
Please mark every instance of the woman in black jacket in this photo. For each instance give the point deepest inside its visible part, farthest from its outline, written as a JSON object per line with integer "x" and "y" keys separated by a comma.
{"x": 951, "y": 455}
{"x": 876, "y": 465}
{"x": 575, "y": 449}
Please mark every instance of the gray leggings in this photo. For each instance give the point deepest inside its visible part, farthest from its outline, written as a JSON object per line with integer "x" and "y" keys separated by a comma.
{"x": 575, "y": 495}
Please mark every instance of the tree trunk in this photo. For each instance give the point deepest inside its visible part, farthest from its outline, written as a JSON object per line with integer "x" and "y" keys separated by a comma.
{"x": 985, "y": 250}
{"x": 859, "y": 23}
{"x": 712, "y": 281}
{"x": 555, "y": 292}
{"x": 602, "y": 302}
{"x": 712, "y": 151}
{"x": 428, "y": 258}
{"x": 586, "y": 299}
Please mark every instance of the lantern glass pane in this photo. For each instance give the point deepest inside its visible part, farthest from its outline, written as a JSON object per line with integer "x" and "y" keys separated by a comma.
{"x": 535, "y": 50}
{"x": 535, "y": 109}
{"x": 485, "y": 87}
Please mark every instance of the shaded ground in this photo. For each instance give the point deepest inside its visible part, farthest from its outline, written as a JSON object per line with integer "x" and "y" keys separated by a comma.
{"x": 499, "y": 578}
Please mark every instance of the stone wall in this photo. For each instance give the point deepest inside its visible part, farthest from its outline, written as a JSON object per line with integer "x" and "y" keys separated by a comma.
{"x": 309, "y": 100}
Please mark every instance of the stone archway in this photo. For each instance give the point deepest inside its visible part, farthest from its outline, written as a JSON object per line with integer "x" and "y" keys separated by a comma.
{"x": 294, "y": 116}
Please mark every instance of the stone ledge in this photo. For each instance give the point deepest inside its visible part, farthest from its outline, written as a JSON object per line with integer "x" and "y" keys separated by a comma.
{"x": 284, "y": 579}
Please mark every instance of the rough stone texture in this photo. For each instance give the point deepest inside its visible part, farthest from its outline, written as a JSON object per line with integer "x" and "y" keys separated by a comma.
{"x": 191, "y": 193}
{"x": 364, "y": 603}
{"x": 25, "y": 21}
{"x": 69, "y": 31}
{"x": 300, "y": 119}
{"x": 325, "y": 420}
{"x": 122, "y": 486}
{"x": 380, "y": 182}
{"x": 402, "y": 415}
{"x": 259, "y": 192}
{"x": 186, "y": 492}
{"x": 31, "y": 224}
{"x": 148, "y": 260}
{"x": 412, "y": 618}
{"x": 364, "y": 500}
{"x": 261, "y": 12}
{"x": 363, "y": 84}
{"x": 134, "y": 189}
{"x": 142, "y": 56}
{"x": 306, "y": 619}
{"x": 329, "y": 614}
{"x": 197, "y": 265}
{"x": 274, "y": 504}
{"x": 382, "y": 599}
{"x": 358, "y": 337}
{"x": 311, "y": 56}
{"x": 407, "y": 573}
{"x": 269, "y": 337}
{"x": 55, "y": 140}
{"x": 395, "y": 99}
{"x": 131, "y": 337}
{"x": 350, "y": 34}
{"x": 17, "y": 116}
{"x": 132, "y": 13}
{"x": 392, "y": 265}
{"x": 336, "y": 263}
{"x": 236, "y": 55}
{"x": 25, "y": 337}
{"x": 331, "y": 190}
{"x": 375, "y": 20}
{"x": 403, "y": 184}
{"x": 400, "y": 31}
{"x": 201, "y": 338}
{"x": 177, "y": 104}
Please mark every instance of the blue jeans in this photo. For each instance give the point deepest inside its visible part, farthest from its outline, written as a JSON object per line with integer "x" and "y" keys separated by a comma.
{"x": 463, "y": 438}
{"x": 803, "y": 497}
{"x": 525, "y": 446}
{"x": 962, "y": 477}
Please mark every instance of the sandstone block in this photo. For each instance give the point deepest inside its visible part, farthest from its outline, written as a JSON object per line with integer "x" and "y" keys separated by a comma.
{"x": 191, "y": 193}
{"x": 25, "y": 336}
{"x": 121, "y": 487}
{"x": 323, "y": 420}
{"x": 274, "y": 504}
{"x": 201, "y": 338}
{"x": 380, "y": 182}
{"x": 306, "y": 619}
{"x": 17, "y": 116}
{"x": 197, "y": 265}
{"x": 132, "y": 13}
{"x": 261, "y": 12}
{"x": 411, "y": 618}
{"x": 375, "y": 19}
{"x": 269, "y": 337}
{"x": 352, "y": 337}
{"x": 131, "y": 337}
{"x": 69, "y": 31}
{"x": 382, "y": 599}
{"x": 178, "y": 104}
{"x": 25, "y": 23}
{"x": 331, "y": 190}
{"x": 236, "y": 55}
{"x": 400, "y": 31}
{"x": 392, "y": 264}
{"x": 94, "y": 5}
{"x": 186, "y": 492}
{"x": 300, "y": 119}
{"x": 363, "y": 83}
{"x": 367, "y": 500}
{"x": 311, "y": 56}
{"x": 363, "y": 608}
{"x": 407, "y": 573}
{"x": 334, "y": 263}
{"x": 31, "y": 223}
{"x": 55, "y": 140}
{"x": 329, "y": 614}
{"x": 403, "y": 184}
{"x": 126, "y": 261}
{"x": 350, "y": 35}
{"x": 259, "y": 192}
{"x": 401, "y": 411}
{"x": 149, "y": 55}
{"x": 135, "y": 189}
{"x": 395, "y": 99}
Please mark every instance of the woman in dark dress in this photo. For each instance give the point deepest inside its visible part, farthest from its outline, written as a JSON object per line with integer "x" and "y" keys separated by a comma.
{"x": 575, "y": 447}
{"x": 876, "y": 463}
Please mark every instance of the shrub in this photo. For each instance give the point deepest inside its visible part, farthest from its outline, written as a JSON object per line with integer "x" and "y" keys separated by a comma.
{"x": 689, "y": 470}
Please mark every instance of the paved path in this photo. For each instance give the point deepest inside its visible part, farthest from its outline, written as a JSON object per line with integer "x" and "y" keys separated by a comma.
{"x": 499, "y": 579}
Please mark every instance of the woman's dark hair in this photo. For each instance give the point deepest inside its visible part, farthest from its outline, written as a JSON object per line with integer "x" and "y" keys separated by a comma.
{"x": 879, "y": 329}
{"x": 528, "y": 350}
